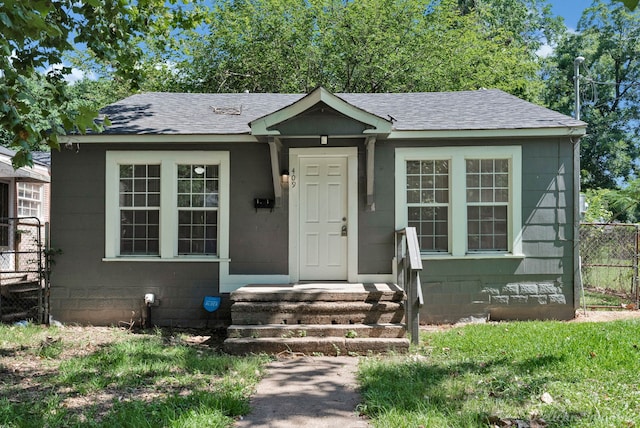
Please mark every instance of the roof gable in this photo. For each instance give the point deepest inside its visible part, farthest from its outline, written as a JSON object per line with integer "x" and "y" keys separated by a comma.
{"x": 267, "y": 125}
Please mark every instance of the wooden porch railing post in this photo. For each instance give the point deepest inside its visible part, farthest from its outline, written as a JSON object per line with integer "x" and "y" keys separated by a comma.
{"x": 409, "y": 267}
{"x": 413, "y": 310}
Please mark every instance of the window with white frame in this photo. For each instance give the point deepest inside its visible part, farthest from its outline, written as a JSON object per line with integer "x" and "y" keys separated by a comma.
{"x": 29, "y": 199}
{"x": 428, "y": 202}
{"x": 139, "y": 209}
{"x": 166, "y": 204}
{"x": 197, "y": 209}
{"x": 463, "y": 201}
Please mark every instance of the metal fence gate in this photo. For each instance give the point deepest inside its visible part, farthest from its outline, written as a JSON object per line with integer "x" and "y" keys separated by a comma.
{"x": 609, "y": 256}
{"x": 24, "y": 270}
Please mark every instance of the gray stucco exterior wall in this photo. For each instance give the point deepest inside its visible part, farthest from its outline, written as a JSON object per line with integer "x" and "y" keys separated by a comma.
{"x": 539, "y": 285}
{"x": 88, "y": 290}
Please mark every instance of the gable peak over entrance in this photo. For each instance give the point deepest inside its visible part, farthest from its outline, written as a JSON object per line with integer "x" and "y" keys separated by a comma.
{"x": 320, "y": 99}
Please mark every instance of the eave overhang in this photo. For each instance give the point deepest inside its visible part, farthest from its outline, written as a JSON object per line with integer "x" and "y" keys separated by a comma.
{"x": 22, "y": 174}
{"x": 392, "y": 135}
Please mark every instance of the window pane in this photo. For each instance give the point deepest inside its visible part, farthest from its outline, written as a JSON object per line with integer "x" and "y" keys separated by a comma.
{"x": 487, "y": 180}
{"x": 413, "y": 182}
{"x": 140, "y": 171}
{"x": 29, "y": 199}
{"x": 428, "y": 194}
{"x": 427, "y": 167}
{"x": 126, "y": 171}
{"x": 413, "y": 167}
{"x": 212, "y": 171}
{"x": 184, "y": 186}
{"x": 473, "y": 195}
{"x": 486, "y": 195}
{"x": 153, "y": 200}
{"x": 502, "y": 165}
{"x": 184, "y": 171}
{"x": 442, "y": 196}
{"x": 502, "y": 180}
{"x": 197, "y": 201}
{"x": 502, "y": 195}
{"x": 486, "y": 165}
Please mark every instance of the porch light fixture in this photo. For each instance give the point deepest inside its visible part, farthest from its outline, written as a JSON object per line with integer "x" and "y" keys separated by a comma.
{"x": 199, "y": 170}
{"x": 284, "y": 178}
{"x": 324, "y": 139}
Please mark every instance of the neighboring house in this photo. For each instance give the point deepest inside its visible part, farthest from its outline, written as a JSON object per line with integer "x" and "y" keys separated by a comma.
{"x": 24, "y": 213}
{"x": 193, "y": 195}
{"x": 24, "y": 194}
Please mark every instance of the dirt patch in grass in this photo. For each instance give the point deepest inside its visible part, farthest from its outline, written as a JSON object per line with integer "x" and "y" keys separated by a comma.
{"x": 31, "y": 359}
{"x": 605, "y": 315}
{"x": 597, "y": 315}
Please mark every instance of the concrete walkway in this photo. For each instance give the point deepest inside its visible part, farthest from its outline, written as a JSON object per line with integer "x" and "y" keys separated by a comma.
{"x": 307, "y": 392}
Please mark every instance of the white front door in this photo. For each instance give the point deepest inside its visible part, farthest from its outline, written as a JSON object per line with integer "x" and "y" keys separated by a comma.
{"x": 323, "y": 218}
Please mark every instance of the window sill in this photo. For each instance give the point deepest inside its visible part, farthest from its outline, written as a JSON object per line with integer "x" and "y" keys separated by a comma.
{"x": 483, "y": 256}
{"x": 166, "y": 260}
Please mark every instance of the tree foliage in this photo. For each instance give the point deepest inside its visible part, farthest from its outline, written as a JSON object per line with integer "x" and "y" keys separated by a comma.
{"x": 608, "y": 38}
{"x": 360, "y": 46}
{"x": 36, "y": 105}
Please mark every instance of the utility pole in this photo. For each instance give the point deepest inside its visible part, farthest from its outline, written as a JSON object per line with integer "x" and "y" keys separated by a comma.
{"x": 576, "y": 84}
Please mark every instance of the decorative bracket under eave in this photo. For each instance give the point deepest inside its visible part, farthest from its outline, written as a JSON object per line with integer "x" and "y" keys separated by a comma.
{"x": 275, "y": 147}
{"x": 370, "y": 144}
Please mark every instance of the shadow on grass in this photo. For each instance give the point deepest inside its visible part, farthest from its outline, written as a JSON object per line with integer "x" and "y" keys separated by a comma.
{"x": 137, "y": 382}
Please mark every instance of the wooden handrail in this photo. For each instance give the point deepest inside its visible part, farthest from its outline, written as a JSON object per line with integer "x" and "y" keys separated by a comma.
{"x": 409, "y": 266}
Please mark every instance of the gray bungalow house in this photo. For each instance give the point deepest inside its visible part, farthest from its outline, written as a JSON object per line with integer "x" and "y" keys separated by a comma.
{"x": 187, "y": 196}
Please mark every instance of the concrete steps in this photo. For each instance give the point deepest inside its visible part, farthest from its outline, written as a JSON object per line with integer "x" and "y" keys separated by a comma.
{"x": 318, "y": 318}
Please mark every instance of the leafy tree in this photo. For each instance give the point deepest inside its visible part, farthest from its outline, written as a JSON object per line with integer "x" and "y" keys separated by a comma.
{"x": 35, "y": 36}
{"x": 360, "y": 45}
{"x": 531, "y": 22}
{"x": 598, "y": 206}
{"x": 607, "y": 38}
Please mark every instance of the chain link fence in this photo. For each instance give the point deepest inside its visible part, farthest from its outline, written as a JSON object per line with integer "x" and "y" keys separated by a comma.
{"x": 24, "y": 285}
{"x": 609, "y": 257}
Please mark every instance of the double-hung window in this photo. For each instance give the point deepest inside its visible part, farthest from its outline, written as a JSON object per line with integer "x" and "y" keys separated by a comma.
{"x": 29, "y": 199}
{"x": 463, "y": 201}
{"x": 164, "y": 204}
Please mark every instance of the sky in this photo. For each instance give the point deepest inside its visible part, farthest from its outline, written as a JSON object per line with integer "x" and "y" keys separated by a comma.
{"x": 570, "y": 10}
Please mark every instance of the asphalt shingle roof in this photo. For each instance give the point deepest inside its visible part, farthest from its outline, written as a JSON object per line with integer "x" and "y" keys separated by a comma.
{"x": 187, "y": 113}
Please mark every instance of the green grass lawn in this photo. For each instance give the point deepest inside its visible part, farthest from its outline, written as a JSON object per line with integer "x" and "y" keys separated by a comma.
{"x": 49, "y": 378}
{"x": 554, "y": 374}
